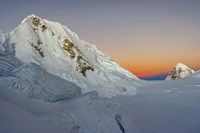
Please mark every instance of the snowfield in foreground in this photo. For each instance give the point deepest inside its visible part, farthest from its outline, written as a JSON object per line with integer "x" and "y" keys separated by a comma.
{"x": 158, "y": 107}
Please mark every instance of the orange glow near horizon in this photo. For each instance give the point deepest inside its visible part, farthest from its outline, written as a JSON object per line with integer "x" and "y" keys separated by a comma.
{"x": 141, "y": 72}
{"x": 148, "y": 53}
{"x": 147, "y": 66}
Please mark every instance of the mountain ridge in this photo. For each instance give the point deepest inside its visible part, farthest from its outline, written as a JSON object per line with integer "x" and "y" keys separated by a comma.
{"x": 60, "y": 51}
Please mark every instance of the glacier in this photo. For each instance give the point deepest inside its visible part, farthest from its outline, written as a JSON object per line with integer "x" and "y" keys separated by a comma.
{"x": 158, "y": 107}
{"x": 30, "y": 79}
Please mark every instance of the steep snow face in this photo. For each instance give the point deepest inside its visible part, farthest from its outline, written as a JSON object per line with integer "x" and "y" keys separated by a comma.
{"x": 180, "y": 71}
{"x": 35, "y": 82}
{"x": 7, "y": 60}
{"x": 59, "y": 50}
{"x": 31, "y": 80}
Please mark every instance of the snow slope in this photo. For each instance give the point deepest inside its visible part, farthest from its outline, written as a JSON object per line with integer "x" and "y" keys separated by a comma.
{"x": 59, "y": 50}
{"x": 86, "y": 114}
{"x": 31, "y": 80}
{"x": 180, "y": 71}
{"x": 36, "y": 83}
{"x": 165, "y": 106}
{"x": 16, "y": 120}
{"x": 158, "y": 107}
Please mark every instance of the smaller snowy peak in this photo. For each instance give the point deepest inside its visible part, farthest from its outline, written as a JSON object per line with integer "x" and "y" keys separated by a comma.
{"x": 180, "y": 71}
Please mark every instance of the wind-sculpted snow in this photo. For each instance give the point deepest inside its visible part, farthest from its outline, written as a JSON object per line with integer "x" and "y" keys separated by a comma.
{"x": 8, "y": 64}
{"x": 59, "y": 50}
{"x": 32, "y": 80}
{"x": 158, "y": 107}
{"x": 36, "y": 83}
{"x": 7, "y": 60}
{"x": 86, "y": 114}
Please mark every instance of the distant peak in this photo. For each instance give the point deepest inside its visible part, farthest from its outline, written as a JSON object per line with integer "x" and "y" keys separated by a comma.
{"x": 180, "y": 64}
{"x": 180, "y": 71}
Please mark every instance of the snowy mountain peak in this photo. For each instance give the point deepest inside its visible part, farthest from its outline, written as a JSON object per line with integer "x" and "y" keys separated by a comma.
{"x": 30, "y": 16}
{"x": 33, "y": 15}
{"x": 37, "y": 28}
{"x": 26, "y": 20}
{"x": 181, "y": 65}
{"x": 58, "y": 50}
{"x": 179, "y": 71}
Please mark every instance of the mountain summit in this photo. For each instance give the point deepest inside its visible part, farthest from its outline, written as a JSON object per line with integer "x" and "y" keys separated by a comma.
{"x": 180, "y": 71}
{"x": 60, "y": 51}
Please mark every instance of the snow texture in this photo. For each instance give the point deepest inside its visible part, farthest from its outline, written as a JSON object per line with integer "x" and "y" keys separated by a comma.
{"x": 31, "y": 80}
{"x": 158, "y": 107}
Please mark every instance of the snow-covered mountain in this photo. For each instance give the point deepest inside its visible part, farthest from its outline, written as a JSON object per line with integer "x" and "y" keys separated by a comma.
{"x": 59, "y": 51}
{"x": 30, "y": 79}
{"x": 179, "y": 71}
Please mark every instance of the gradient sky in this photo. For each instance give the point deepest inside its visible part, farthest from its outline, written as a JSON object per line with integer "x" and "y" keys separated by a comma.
{"x": 147, "y": 37}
